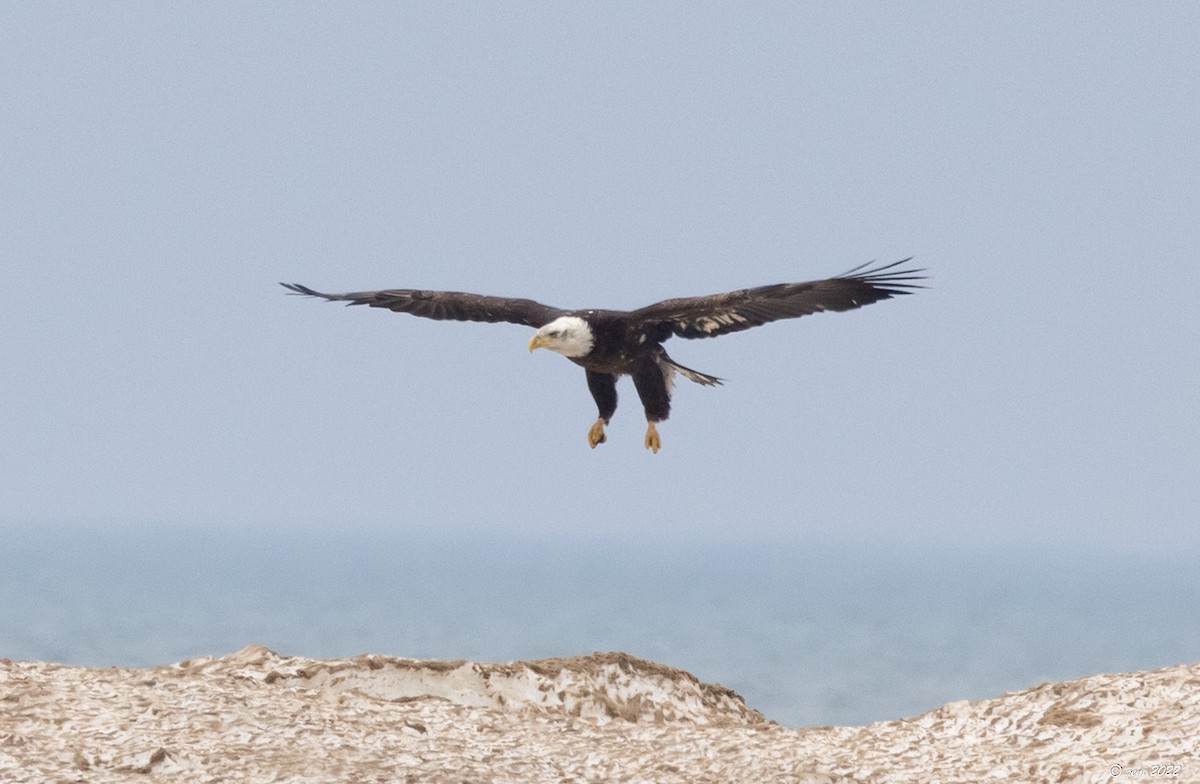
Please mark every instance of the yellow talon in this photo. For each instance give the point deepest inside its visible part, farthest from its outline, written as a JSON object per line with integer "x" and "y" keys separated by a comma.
{"x": 653, "y": 442}
{"x": 596, "y": 433}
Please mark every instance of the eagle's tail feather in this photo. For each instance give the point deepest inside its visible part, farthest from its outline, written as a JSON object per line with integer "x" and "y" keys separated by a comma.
{"x": 695, "y": 375}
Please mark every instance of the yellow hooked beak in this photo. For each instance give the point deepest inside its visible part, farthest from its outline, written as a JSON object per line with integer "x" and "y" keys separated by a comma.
{"x": 537, "y": 341}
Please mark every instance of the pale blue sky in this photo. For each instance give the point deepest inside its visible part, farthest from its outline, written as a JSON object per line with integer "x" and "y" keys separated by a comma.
{"x": 164, "y": 165}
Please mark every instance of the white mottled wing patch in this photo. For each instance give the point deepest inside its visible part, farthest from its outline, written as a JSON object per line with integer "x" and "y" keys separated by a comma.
{"x": 711, "y": 324}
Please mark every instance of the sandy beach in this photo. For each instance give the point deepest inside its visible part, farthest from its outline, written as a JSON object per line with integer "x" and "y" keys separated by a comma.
{"x": 257, "y": 716}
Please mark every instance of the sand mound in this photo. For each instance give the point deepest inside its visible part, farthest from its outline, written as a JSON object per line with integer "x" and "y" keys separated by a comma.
{"x": 257, "y": 716}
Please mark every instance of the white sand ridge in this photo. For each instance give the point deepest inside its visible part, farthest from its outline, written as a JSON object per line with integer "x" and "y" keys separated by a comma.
{"x": 600, "y": 687}
{"x": 257, "y": 716}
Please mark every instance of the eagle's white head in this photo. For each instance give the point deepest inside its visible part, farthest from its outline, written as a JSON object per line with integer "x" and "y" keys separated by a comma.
{"x": 567, "y": 335}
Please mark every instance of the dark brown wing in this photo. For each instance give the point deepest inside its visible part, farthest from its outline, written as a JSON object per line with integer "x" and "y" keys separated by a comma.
{"x": 720, "y": 314}
{"x": 444, "y": 305}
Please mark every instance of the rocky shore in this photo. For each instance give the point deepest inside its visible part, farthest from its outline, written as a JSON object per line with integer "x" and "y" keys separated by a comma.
{"x": 257, "y": 716}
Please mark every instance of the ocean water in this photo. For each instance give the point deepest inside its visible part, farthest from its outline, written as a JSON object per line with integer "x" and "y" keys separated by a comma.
{"x": 809, "y": 633}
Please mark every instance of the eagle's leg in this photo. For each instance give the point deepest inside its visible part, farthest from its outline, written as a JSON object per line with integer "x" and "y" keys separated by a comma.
{"x": 604, "y": 391}
{"x": 653, "y": 442}
{"x": 596, "y": 433}
{"x": 652, "y": 380}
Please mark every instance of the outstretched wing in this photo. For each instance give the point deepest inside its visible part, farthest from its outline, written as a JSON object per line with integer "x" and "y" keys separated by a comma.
{"x": 733, "y": 311}
{"x": 444, "y": 305}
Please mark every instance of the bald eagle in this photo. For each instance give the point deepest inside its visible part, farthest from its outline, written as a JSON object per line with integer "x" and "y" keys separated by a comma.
{"x": 608, "y": 344}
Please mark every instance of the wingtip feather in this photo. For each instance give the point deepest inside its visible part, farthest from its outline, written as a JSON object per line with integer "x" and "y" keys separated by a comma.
{"x": 887, "y": 277}
{"x": 305, "y": 291}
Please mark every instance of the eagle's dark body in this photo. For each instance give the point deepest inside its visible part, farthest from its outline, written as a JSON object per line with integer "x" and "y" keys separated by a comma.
{"x": 612, "y": 343}
{"x": 621, "y": 350}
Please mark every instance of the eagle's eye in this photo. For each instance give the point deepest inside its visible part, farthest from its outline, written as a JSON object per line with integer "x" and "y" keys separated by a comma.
{"x": 554, "y": 333}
